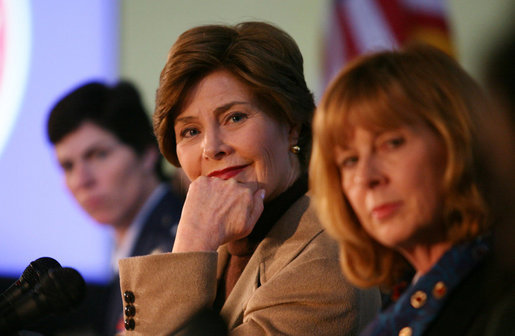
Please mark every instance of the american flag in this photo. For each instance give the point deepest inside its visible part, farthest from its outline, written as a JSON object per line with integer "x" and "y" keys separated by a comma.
{"x": 359, "y": 26}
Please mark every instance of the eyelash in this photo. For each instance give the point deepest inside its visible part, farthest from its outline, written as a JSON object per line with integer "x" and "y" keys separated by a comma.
{"x": 102, "y": 153}
{"x": 67, "y": 166}
{"x": 349, "y": 161}
{"x": 97, "y": 154}
{"x": 390, "y": 143}
{"x": 230, "y": 117}
{"x": 394, "y": 142}
{"x": 185, "y": 131}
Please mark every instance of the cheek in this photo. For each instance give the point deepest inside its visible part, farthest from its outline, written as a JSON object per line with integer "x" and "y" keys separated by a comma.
{"x": 356, "y": 207}
{"x": 275, "y": 146}
{"x": 350, "y": 191}
{"x": 121, "y": 177}
{"x": 68, "y": 181}
{"x": 72, "y": 187}
{"x": 430, "y": 199}
{"x": 422, "y": 189}
{"x": 425, "y": 177}
{"x": 270, "y": 158}
{"x": 189, "y": 165}
{"x": 270, "y": 162}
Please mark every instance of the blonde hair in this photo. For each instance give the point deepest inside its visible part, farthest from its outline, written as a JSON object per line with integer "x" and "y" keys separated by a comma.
{"x": 383, "y": 91}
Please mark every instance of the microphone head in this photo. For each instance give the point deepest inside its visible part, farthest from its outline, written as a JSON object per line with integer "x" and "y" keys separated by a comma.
{"x": 57, "y": 290}
{"x": 36, "y": 268}
{"x": 61, "y": 289}
{"x": 26, "y": 282}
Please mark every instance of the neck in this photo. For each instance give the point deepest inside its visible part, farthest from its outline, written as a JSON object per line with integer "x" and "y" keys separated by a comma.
{"x": 424, "y": 257}
{"x": 119, "y": 234}
{"x": 122, "y": 227}
{"x": 273, "y": 210}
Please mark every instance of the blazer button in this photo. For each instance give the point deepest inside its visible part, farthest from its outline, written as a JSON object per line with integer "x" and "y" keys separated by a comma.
{"x": 130, "y": 310}
{"x": 128, "y": 296}
{"x": 439, "y": 290}
{"x": 406, "y": 331}
{"x": 129, "y": 324}
{"x": 418, "y": 299}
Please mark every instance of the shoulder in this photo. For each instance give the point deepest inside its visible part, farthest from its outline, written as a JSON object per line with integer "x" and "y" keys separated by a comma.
{"x": 298, "y": 244}
{"x": 299, "y": 224}
{"x": 478, "y": 304}
{"x": 170, "y": 203}
{"x": 300, "y": 263}
{"x": 160, "y": 225}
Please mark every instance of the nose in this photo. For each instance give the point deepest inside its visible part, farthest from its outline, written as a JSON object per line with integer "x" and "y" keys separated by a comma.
{"x": 81, "y": 177}
{"x": 369, "y": 174}
{"x": 214, "y": 145}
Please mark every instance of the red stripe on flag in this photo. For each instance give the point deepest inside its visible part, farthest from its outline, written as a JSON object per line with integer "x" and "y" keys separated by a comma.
{"x": 423, "y": 19}
{"x": 396, "y": 17}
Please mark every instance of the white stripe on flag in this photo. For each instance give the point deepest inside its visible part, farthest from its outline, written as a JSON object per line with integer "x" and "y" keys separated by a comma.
{"x": 371, "y": 31}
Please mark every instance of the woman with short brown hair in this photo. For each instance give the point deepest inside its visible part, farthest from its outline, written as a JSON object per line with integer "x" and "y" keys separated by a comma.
{"x": 233, "y": 110}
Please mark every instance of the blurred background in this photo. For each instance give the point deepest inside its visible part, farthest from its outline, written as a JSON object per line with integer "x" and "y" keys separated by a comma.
{"x": 48, "y": 47}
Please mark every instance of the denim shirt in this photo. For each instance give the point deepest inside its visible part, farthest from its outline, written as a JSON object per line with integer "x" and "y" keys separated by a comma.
{"x": 418, "y": 306}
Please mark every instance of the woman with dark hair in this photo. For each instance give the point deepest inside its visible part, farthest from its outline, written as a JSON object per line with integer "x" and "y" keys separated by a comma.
{"x": 233, "y": 110}
{"x": 402, "y": 128}
{"x": 103, "y": 142}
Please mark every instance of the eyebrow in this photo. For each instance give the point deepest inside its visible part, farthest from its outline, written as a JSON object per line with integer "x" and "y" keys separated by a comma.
{"x": 91, "y": 148}
{"x": 227, "y": 106}
{"x": 217, "y": 111}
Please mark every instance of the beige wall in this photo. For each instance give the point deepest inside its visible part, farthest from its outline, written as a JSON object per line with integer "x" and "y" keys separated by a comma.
{"x": 149, "y": 28}
{"x": 477, "y": 26}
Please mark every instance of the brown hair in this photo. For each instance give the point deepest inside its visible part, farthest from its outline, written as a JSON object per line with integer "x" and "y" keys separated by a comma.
{"x": 117, "y": 109}
{"x": 383, "y": 91}
{"x": 262, "y": 56}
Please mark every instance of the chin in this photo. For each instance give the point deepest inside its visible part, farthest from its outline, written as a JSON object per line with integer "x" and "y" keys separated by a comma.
{"x": 393, "y": 242}
{"x": 104, "y": 220}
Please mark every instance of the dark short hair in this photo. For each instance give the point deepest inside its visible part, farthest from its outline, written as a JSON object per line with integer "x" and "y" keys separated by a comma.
{"x": 117, "y": 109}
{"x": 263, "y": 57}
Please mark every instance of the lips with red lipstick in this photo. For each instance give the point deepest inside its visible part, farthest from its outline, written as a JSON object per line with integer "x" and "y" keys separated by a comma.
{"x": 385, "y": 210}
{"x": 227, "y": 173}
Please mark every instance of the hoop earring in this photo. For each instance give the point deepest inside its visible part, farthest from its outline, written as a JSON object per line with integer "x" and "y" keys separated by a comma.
{"x": 295, "y": 149}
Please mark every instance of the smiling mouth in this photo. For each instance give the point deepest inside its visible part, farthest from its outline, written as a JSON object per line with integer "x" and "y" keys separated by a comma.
{"x": 227, "y": 173}
{"x": 385, "y": 210}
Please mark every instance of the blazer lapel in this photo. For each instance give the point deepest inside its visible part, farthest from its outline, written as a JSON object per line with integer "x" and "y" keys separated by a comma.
{"x": 234, "y": 306}
{"x": 288, "y": 236}
{"x": 223, "y": 258}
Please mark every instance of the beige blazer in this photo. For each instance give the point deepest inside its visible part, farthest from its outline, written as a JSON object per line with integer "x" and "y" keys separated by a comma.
{"x": 292, "y": 285}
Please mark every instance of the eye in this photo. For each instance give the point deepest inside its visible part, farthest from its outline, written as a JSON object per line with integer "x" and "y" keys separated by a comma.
{"x": 66, "y": 166}
{"x": 97, "y": 154}
{"x": 349, "y": 161}
{"x": 189, "y": 132}
{"x": 394, "y": 142}
{"x": 101, "y": 153}
{"x": 237, "y": 117}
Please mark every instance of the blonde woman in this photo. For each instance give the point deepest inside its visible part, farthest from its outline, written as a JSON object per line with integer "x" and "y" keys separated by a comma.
{"x": 393, "y": 173}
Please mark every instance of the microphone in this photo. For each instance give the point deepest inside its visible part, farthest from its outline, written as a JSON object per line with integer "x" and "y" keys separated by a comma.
{"x": 30, "y": 277}
{"x": 58, "y": 291}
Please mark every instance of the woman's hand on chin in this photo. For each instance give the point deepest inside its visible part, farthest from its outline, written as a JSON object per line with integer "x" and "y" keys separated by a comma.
{"x": 215, "y": 212}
